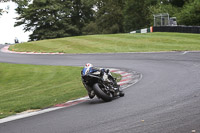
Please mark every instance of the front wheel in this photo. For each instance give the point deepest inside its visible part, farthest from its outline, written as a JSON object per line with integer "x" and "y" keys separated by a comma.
{"x": 100, "y": 92}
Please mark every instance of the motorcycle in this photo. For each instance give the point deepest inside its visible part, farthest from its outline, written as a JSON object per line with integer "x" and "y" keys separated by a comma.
{"x": 101, "y": 84}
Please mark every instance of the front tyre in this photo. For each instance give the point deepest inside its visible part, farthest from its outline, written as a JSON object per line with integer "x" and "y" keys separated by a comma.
{"x": 100, "y": 92}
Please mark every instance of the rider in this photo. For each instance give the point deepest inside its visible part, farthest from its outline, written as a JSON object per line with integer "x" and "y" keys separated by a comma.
{"x": 99, "y": 71}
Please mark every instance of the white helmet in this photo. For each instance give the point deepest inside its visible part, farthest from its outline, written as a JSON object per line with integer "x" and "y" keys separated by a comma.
{"x": 88, "y": 65}
{"x": 87, "y": 69}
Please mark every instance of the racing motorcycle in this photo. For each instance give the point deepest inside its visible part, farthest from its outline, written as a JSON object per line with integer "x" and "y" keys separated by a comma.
{"x": 104, "y": 88}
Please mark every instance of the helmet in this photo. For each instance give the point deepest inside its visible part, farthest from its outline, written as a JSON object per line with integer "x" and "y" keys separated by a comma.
{"x": 88, "y": 65}
{"x": 87, "y": 69}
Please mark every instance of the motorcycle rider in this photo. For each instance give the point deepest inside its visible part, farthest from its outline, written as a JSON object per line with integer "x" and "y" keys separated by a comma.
{"x": 104, "y": 73}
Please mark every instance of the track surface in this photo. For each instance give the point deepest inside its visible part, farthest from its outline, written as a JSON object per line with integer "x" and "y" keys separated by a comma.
{"x": 166, "y": 100}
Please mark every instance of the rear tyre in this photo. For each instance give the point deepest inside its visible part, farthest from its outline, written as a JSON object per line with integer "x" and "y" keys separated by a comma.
{"x": 101, "y": 94}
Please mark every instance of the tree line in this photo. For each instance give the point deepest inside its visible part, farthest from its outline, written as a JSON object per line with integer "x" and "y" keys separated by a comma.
{"x": 62, "y": 18}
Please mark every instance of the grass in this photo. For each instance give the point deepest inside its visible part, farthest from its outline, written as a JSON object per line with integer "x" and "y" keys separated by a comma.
{"x": 117, "y": 76}
{"x": 115, "y": 43}
{"x": 27, "y": 87}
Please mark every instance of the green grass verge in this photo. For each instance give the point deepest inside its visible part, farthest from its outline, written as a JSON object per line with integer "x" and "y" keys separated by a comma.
{"x": 25, "y": 87}
{"x": 117, "y": 76}
{"x": 115, "y": 43}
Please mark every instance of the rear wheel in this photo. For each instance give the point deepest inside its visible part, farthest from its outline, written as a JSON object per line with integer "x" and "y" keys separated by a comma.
{"x": 102, "y": 93}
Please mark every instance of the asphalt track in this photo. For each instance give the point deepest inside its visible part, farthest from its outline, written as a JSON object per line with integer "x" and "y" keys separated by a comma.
{"x": 166, "y": 100}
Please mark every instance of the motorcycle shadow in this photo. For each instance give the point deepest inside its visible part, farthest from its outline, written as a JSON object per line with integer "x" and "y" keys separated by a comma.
{"x": 100, "y": 101}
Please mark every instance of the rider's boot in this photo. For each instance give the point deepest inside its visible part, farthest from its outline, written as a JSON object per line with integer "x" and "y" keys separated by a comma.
{"x": 91, "y": 94}
{"x": 121, "y": 93}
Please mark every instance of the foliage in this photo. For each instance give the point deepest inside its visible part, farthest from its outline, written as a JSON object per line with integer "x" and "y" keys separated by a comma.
{"x": 162, "y": 8}
{"x": 186, "y": 11}
{"x": 43, "y": 17}
{"x": 53, "y": 18}
{"x": 190, "y": 14}
{"x": 62, "y": 18}
{"x": 135, "y": 15}
{"x": 178, "y": 3}
{"x": 90, "y": 29}
{"x": 109, "y": 16}
{"x": 82, "y": 13}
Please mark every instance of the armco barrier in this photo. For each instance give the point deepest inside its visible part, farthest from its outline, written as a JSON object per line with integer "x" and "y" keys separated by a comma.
{"x": 182, "y": 29}
{"x": 146, "y": 30}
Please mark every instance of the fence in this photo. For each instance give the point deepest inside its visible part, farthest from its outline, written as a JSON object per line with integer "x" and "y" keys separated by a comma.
{"x": 182, "y": 29}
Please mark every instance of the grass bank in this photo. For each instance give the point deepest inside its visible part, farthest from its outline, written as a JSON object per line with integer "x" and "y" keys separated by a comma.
{"x": 27, "y": 87}
{"x": 115, "y": 43}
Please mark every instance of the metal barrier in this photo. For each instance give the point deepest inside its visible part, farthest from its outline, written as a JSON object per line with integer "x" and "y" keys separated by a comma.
{"x": 182, "y": 29}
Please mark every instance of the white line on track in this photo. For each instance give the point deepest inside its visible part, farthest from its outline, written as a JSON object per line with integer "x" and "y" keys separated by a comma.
{"x": 185, "y": 52}
{"x": 20, "y": 116}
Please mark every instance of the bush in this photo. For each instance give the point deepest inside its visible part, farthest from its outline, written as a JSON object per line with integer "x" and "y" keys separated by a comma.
{"x": 190, "y": 14}
{"x": 90, "y": 29}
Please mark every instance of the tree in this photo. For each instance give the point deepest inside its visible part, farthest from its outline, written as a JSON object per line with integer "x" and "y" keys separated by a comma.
{"x": 46, "y": 18}
{"x": 162, "y": 8}
{"x": 53, "y": 18}
{"x": 82, "y": 13}
{"x": 109, "y": 16}
{"x": 135, "y": 15}
{"x": 62, "y": 18}
{"x": 178, "y": 3}
{"x": 190, "y": 14}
